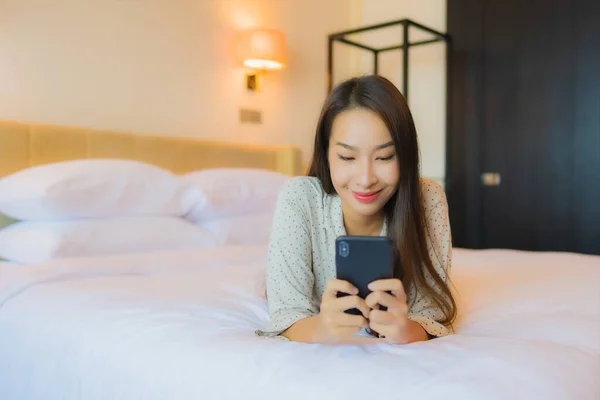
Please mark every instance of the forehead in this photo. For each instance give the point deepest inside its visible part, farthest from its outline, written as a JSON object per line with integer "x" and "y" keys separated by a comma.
{"x": 359, "y": 128}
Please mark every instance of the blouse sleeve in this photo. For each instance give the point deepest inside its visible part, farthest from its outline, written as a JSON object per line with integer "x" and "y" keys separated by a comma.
{"x": 289, "y": 277}
{"x": 439, "y": 244}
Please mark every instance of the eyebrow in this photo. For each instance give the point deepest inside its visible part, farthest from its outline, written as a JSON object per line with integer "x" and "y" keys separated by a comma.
{"x": 381, "y": 146}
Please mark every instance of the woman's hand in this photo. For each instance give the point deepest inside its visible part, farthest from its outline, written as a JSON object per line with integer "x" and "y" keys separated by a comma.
{"x": 335, "y": 323}
{"x": 393, "y": 325}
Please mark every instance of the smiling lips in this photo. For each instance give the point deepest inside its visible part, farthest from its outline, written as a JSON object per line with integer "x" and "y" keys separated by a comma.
{"x": 366, "y": 197}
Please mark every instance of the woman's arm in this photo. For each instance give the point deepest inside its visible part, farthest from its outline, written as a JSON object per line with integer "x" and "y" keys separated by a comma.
{"x": 289, "y": 276}
{"x": 311, "y": 330}
{"x": 306, "y": 330}
{"x": 295, "y": 312}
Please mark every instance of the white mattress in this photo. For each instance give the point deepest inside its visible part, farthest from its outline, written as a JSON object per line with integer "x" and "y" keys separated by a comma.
{"x": 181, "y": 326}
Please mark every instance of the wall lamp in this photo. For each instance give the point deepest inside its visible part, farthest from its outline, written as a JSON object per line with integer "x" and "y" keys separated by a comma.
{"x": 261, "y": 50}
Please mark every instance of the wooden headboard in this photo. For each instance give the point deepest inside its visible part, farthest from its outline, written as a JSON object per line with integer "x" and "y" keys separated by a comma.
{"x": 23, "y": 145}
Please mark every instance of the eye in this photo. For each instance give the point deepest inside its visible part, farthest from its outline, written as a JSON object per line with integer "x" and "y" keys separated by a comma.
{"x": 388, "y": 158}
{"x": 345, "y": 158}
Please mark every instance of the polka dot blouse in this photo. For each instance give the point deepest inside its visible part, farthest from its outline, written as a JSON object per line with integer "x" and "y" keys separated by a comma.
{"x": 302, "y": 253}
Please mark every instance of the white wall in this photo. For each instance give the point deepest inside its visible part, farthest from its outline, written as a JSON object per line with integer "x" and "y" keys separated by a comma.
{"x": 427, "y": 70}
{"x": 164, "y": 66}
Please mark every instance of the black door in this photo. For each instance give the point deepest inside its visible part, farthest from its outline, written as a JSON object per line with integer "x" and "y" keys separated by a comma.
{"x": 535, "y": 75}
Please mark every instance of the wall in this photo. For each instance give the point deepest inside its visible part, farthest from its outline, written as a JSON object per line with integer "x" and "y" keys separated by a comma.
{"x": 427, "y": 69}
{"x": 164, "y": 66}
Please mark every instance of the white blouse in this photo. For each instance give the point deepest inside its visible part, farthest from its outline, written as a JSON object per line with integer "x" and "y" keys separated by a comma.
{"x": 301, "y": 257}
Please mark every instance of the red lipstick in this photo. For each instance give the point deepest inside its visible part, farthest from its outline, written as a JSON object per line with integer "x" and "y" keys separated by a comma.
{"x": 366, "y": 197}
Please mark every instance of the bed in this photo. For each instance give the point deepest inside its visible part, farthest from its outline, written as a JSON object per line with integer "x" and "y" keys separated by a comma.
{"x": 179, "y": 323}
{"x": 24, "y": 145}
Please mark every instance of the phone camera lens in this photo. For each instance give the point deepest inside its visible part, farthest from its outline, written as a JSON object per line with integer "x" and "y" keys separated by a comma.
{"x": 344, "y": 249}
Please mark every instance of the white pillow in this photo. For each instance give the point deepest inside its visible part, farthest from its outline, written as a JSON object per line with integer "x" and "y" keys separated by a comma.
{"x": 251, "y": 229}
{"x": 94, "y": 188}
{"x": 37, "y": 241}
{"x": 229, "y": 192}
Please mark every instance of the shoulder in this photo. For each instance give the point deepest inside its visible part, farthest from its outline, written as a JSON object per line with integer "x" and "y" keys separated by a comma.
{"x": 301, "y": 202}
{"x": 302, "y": 190}
{"x": 433, "y": 195}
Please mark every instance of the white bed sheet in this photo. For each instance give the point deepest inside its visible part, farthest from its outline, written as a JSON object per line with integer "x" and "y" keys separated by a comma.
{"x": 181, "y": 326}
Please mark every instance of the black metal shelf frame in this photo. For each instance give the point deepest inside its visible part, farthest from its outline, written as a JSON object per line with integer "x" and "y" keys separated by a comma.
{"x": 404, "y": 46}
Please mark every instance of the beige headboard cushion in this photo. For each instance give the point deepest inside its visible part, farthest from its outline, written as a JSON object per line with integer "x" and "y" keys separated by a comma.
{"x": 23, "y": 145}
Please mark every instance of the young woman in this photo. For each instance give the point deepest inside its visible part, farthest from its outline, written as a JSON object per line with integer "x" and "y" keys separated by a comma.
{"x": 363, "y": 180}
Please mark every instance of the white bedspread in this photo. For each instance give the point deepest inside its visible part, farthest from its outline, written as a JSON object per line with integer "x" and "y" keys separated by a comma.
{"x": 181, "y": 326}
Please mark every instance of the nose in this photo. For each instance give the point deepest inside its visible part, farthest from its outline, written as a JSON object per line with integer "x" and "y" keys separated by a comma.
{"x": 367, "y": 176}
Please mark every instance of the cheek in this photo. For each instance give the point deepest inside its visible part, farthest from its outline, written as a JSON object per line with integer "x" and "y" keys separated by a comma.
{"x": 390, "y": 174}
{"x": 340, "y": 172}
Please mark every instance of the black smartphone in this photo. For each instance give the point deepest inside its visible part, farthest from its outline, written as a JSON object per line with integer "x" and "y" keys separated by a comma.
{"x": 361, "y": 260}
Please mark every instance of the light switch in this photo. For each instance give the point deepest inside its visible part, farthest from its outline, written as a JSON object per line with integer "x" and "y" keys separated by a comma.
{"x": 250, "y": 116}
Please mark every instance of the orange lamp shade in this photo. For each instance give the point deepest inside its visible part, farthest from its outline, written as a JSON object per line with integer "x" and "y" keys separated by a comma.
{"x": 262, "y": 49}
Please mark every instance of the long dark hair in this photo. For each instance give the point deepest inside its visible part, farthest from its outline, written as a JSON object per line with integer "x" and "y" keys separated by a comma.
{"x": 407, "y": 227}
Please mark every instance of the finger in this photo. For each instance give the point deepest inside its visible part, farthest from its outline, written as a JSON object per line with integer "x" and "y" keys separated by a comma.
{"x": 393, "y": 304}
{"x": 392, "y": 285}
{"x": 349, "y": 302}
{"x": 384, "y": 330}
{"x": 348, "y": 320}
{"x": 381, "y": 317}
{"x": 372, "y": 299}
{"x": 335, "y": 286}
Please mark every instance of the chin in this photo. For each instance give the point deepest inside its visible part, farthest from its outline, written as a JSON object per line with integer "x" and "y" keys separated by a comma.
{"x": 372, "y": 212}
{"x": 367, "y": 209}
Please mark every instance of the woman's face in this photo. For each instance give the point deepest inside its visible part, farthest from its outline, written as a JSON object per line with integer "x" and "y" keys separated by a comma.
{"x": 363, "y": 161}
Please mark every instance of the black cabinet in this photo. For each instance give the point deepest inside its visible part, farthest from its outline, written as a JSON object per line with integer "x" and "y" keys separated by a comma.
{"x": 524, "y": 134}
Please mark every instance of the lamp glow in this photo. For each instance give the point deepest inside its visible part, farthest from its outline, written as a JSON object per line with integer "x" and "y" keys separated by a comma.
{"x": 262, "y": 49}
